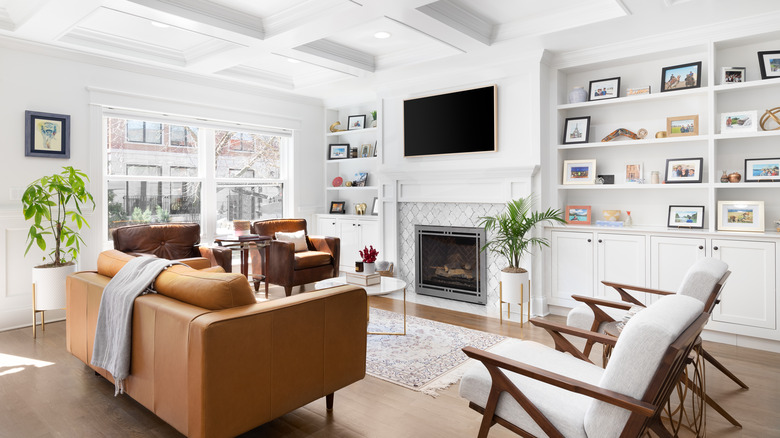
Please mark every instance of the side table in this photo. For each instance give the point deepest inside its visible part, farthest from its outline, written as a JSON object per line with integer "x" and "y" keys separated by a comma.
{"x": 386, "y": 286}
{"x": 244, "y": 244}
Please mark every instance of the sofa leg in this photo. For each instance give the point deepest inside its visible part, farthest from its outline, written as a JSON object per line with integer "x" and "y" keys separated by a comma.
{"x": 329, "y": 401}
{"x": 288, "y": 290}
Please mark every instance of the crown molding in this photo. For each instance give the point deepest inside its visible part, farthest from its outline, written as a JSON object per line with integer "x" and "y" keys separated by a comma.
{"x": 211, "y": 47}
{"x": 460, "y": 19}
{"x": 258, "y": 76}
{"x": 339, "y": 53}
{"x": 111, "y": 43}
{"x": 210, "y": 13}
{"x": 293, "y": 17}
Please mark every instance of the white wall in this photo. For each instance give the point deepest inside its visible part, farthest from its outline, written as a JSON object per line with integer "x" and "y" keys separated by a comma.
{"x": 40, "y": 79}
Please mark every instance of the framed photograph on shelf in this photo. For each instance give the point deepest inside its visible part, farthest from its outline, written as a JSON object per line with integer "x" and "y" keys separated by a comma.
{"x": 338, "y": 151}
{"x": 376, "y": 149}
{"x": 46, "y": 135}
{"x": 682, "y": 126}
{"x": 360, "y": 179}
{"x": 375, "y": 207}
{"x": 683, "y": 170}
{"x": 365, "y": 150}
{"x": 337, "y": 207}
{"x": 681, "y": 77}
{"x": 686, "y": 216}
{"x": 738, "y": 121}
{"x": 762, "y": 170}
{"x": 732, "y": 75}
{"x": 575, "y": 130}
{"x": 356, "y": 122}
{"x": 769, "y": 61}
{"x": 604, "y": 89}
{"x": 579, "y": 171}
{"x": 578, "y": 214}
{"x": 633, "y": 173}
{"x": 741, "y": 216}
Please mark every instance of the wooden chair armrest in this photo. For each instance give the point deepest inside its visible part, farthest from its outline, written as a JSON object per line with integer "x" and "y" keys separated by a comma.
{"x": 573, "y": 331}
{"x": 560, "y": 381}
{"x": 601, "y": 302}
{"x": 637, "y": 288}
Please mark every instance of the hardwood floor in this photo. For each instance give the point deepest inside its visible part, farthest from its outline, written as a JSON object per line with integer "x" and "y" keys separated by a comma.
{"x": 54, "y": 394}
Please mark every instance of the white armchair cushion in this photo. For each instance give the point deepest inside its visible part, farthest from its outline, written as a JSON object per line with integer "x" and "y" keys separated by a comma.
{"x": 701, "y": 278}
{"x": 582, "y": 316}
{"x": 636, "y": 357}
{"x": 297, "y": 237}
{"x": 565, "y": 409}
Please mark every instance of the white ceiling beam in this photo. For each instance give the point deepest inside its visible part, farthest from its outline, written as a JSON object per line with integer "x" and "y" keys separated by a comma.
{"x": 54, "y": 18}
{"x": 209, "y": 13}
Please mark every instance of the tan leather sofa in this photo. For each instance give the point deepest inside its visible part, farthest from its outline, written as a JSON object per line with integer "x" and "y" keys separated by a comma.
{"x": 211, "y": 361}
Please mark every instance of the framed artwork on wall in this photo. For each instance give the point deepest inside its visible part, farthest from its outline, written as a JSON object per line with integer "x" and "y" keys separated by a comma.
{"x": 741, "y": 216}
{"x": 686, "y": 216}
{"x": 46, "y": 135}
{"x": 681, "y": 77}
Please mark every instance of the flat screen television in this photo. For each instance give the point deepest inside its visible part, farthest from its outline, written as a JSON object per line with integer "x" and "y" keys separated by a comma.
{"x": 453, "y": 123}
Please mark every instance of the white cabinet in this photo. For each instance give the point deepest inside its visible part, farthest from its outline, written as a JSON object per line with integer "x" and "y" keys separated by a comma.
{"x": 621, "y": 259}
{"x": 354, "y": 232}
{"x": 748, "y": 299}
{"x": 670, "y": 258}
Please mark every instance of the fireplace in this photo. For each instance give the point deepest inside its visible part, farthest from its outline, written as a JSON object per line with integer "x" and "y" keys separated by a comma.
{"x": 449, "y": 263}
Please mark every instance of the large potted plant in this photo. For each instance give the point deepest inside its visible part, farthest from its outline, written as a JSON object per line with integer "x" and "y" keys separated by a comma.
{"x": 512, "y": 238}
{"x": 54, "y": 203}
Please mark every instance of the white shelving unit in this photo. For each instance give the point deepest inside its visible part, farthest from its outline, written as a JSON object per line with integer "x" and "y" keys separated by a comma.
{"x": 580, "y": 256}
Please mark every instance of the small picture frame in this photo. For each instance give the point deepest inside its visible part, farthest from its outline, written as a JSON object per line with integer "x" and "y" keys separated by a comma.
{"x": 356, "y": 122}
{"x": 365, "y": 150}
{"x": 686, "y": 216}
{"x": 683, "y": 170}
{"x": 681, "y": 77}
{"x": 579, "y": 172}
{"x": 638, "y": 91}
{"x": 741, "y": 216}
{"x": 360, "y": 179}
{"x": 376, "y": 149}
{"x": 682, "y": 126}
{"x": 576, "y": 130}
{"x": 633, "y": 173}
{"x": 762, "y": 170}
{"x": 769, "y": 61}
{"x": 353, "y": 152}
{"x": 338, "y": 151}
{"x": 604, "y": 89}
{"x": 732, "y": 75}
{"x": 743, "y": 121}
{"x": 337, "y": 207}
{"x": 46, "y": 135}
{"x": 578, "y": 214}
{"x": 375, "y": 207}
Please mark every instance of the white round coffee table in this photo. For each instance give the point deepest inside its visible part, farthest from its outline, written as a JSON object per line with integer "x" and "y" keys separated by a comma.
{"x": 388, "y": 285}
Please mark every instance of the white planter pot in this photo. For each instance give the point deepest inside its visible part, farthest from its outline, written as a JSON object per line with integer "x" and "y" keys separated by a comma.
{"x": 50, "y": 286}
{"x": 369, "y": 268}
{"x": 511, "y": 284}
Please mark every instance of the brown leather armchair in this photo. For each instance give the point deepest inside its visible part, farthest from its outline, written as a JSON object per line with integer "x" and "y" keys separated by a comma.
{"x": 288, "y": 268}
{"x": 169, "y": 241}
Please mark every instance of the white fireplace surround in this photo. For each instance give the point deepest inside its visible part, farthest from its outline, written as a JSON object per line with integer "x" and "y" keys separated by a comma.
{"x": 450, "y": 198}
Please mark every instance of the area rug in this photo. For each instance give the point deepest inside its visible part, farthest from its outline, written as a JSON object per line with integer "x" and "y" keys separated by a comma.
{"x": 428, "y": 358}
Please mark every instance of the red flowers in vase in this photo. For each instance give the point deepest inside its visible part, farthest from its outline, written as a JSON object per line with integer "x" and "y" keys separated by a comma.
{"x": 369, "y": 254}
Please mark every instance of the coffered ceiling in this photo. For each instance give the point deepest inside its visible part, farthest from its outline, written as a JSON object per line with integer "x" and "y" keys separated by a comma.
{"x": 311, "y": 46}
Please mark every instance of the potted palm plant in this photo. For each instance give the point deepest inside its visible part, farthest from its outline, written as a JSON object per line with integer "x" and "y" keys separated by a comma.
{"x": 54, "y": 203}
{"x": 511, "y": 239}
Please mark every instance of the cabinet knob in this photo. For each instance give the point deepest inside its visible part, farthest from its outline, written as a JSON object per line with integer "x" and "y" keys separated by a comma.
{"x": 333, "y": 223}
{"x": 589, "y": 240}
{"x": 715, "y": 248}
{"x": 353, "y": 225}
{"x": 701, "y": 247}
{"x": 600, "y": 241}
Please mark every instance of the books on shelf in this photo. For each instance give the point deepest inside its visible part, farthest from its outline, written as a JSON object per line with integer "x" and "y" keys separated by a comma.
{"x": 363, "y": 279}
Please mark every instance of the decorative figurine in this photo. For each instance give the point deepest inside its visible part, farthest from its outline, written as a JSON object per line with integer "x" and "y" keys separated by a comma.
{"x": 625, "y": 132}
{"x": 770, "y": 114}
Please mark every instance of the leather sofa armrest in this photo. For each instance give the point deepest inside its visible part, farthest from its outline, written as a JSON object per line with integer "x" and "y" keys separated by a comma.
{"x": 196, "y": 262}
{"x": 282, "y": 259}
{"x": 330, "y": 245}
{"x": 222, "y": 256}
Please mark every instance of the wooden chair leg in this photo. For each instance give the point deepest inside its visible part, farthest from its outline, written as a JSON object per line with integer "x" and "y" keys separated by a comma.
{"x": 288, "y": 290}
{"x": 329, "y": 401}
{"x": 490, "y": 410}
{"x": 722, "y": 368}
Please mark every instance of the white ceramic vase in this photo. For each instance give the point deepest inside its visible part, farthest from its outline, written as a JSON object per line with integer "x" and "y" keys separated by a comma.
{"x": 369, "y": 268}
{"x": 511, "y": 285}
{"x": 577, "y": 95}
{"x": 50, "y": 286}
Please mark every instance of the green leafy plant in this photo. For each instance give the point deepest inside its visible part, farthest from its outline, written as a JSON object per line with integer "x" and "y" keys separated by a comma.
{"x": 373, "y": 114}
{"x": 510, "y": 228}
{"x": 52, "y": 202}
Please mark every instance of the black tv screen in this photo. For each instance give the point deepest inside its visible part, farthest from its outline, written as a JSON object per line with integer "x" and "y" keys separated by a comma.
{"x": 452, "y": 123}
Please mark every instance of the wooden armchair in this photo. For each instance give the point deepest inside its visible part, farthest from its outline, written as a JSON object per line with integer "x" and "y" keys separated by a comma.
{"x": 535, "y": 390}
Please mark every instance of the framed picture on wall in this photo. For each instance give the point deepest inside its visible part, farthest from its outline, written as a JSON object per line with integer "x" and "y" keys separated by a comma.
{"x": 46, "y": 135}
{"x": 686, "y": 216}
{"x": 578, "y": 214}
{"x": 579, "y": 172}
{"x": 681, "y": 77}
{"x": 741, "y": 216}
{"x": 575, "y": 130}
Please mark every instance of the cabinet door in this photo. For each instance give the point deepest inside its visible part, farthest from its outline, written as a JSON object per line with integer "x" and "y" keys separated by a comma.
{"x": 749, "y": 295}
{"x": 670, "y": 258}
{"x": 621, "y": 259}
{"x": 369, "y": 234}
{"x": 350, "y": 239}
{"x": 326, "y": 226}
{"x": 572, "y": 266}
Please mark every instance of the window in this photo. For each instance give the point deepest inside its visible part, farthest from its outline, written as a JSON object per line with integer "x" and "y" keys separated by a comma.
{"x": 144, "y": 132}
{"x": 168, "y": 183}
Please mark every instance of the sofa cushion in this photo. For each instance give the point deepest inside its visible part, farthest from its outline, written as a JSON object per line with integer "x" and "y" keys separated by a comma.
{"x": 168, "y": 241}
{"x": 564, "y": 409}
{"x": 311, "y": 259}
{"x": 296, "y": 237}
{"x": 636, "y": 357}
{"x": 202, "y": 288}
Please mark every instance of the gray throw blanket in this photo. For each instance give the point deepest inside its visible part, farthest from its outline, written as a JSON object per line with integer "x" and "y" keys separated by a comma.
{"x": 113, "y": 333}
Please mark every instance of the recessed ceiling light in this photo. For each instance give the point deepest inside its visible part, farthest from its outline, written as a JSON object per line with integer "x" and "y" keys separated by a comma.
{"x": 293, "y": 60}
{"x": 382, "y": 35}
{"x": 160, "y": 25}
